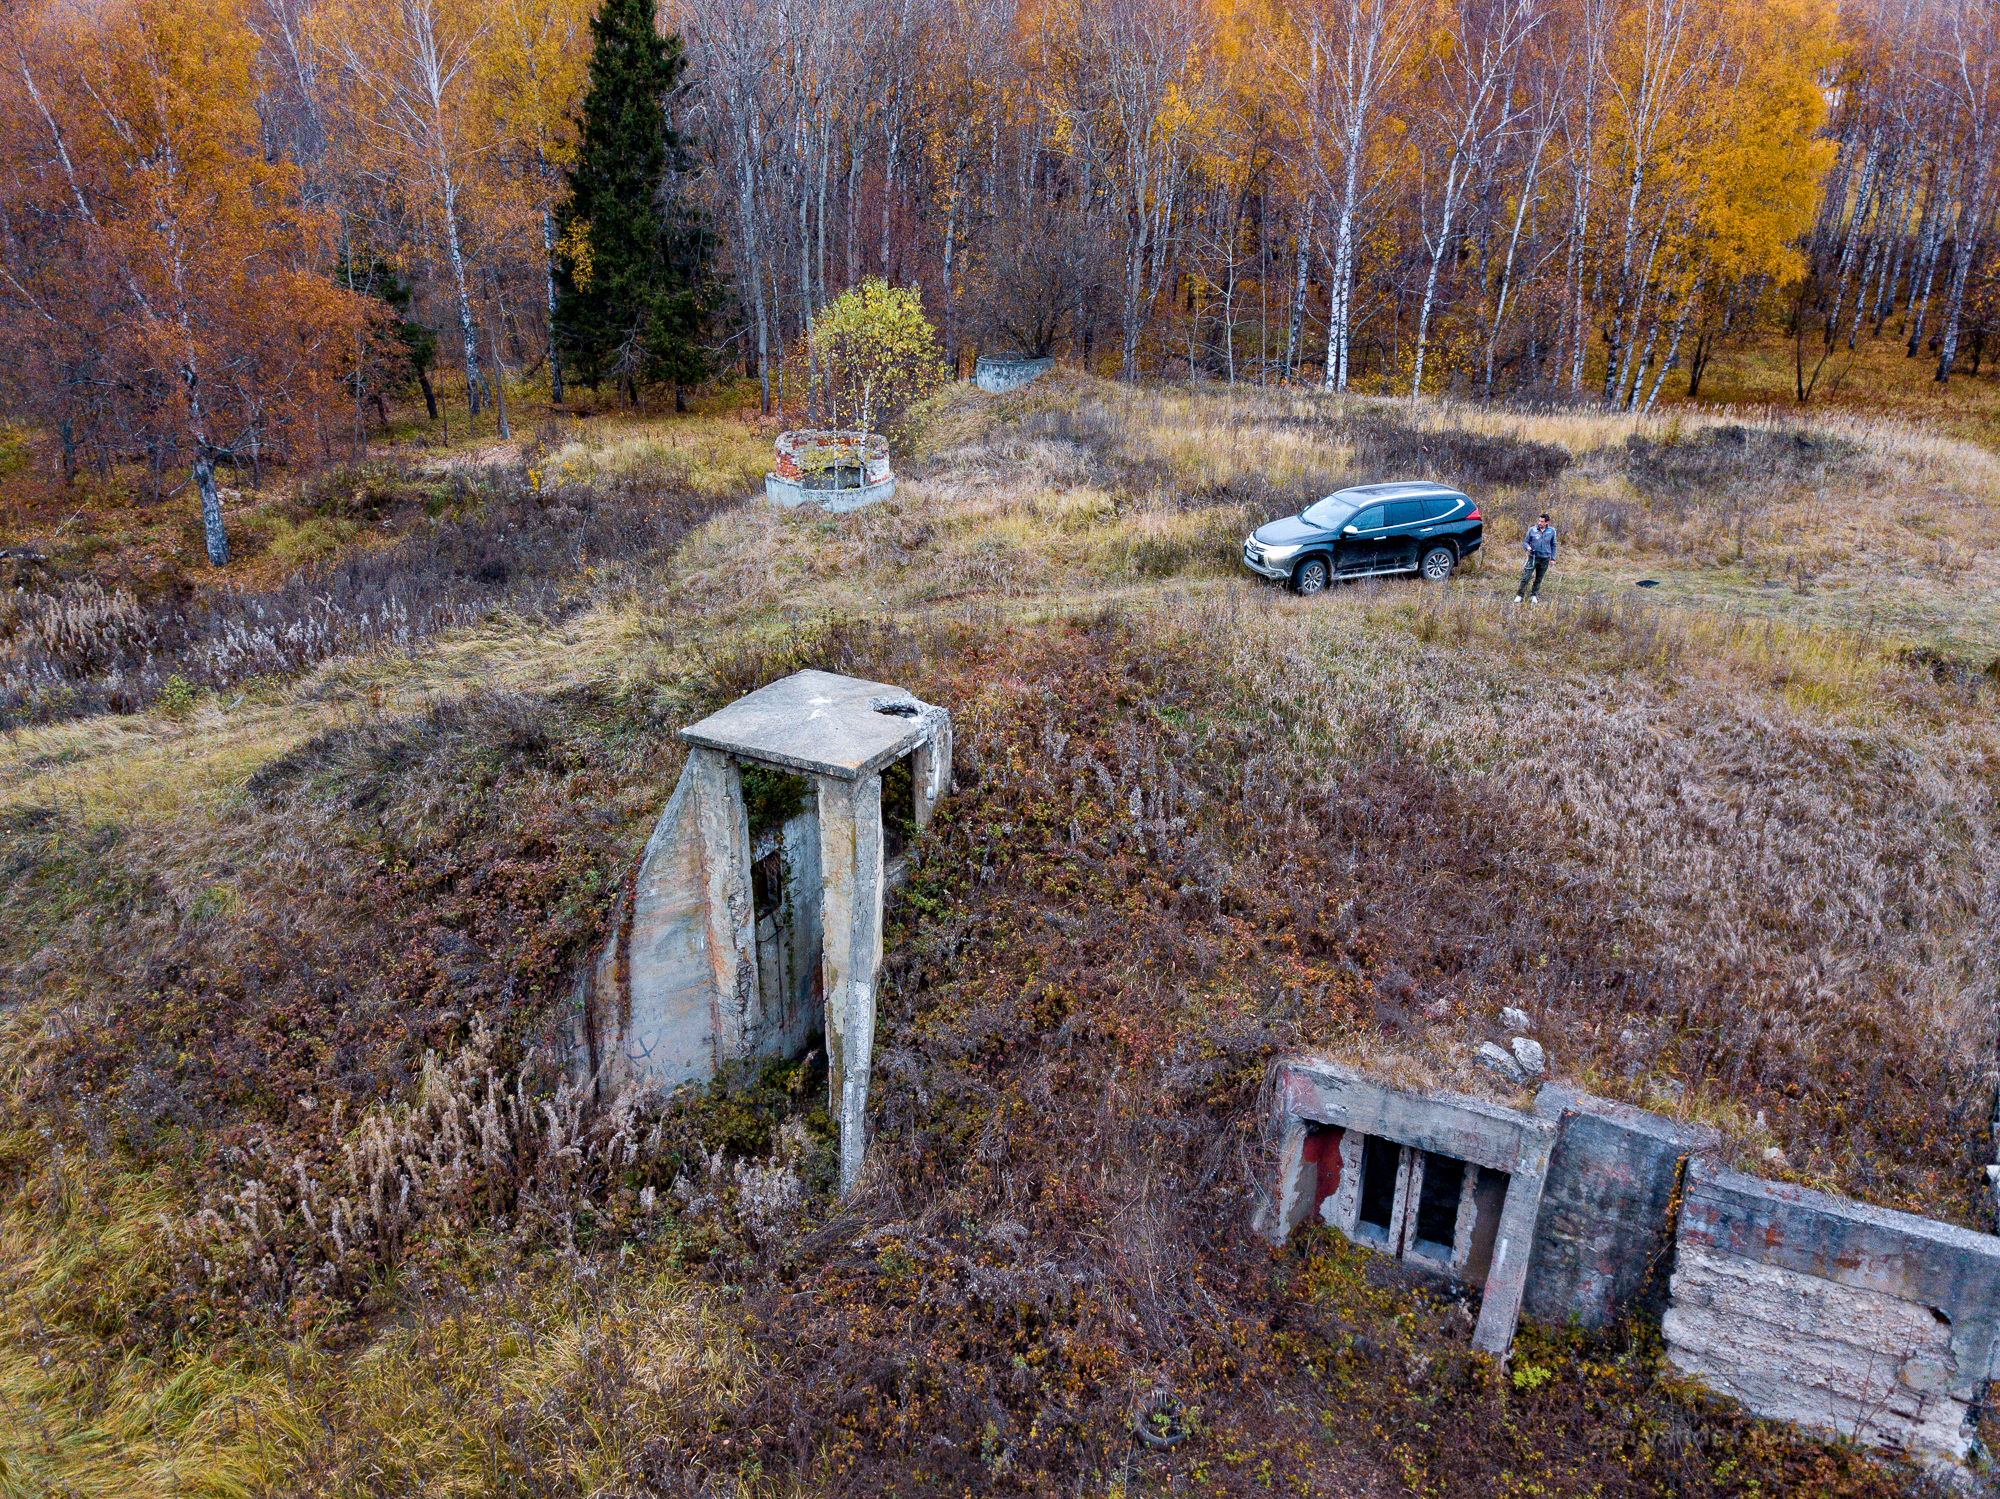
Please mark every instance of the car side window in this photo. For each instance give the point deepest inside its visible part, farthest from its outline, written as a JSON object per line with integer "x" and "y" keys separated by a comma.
{"x": 1442, "y": 508}
{"x": 1405, "y": 513}
{"x": 1369, "y": 519}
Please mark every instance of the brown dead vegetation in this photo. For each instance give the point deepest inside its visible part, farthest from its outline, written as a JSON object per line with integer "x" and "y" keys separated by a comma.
{"x": 1735, "y": 870}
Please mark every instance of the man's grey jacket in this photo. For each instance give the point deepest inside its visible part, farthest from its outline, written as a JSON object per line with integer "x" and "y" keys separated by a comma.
{"x": 1542, "y": 542}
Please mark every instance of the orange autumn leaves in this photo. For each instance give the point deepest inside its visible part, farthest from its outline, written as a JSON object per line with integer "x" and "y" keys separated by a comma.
{"x": 184, "y": 272}
{"x": 168, "y": 282}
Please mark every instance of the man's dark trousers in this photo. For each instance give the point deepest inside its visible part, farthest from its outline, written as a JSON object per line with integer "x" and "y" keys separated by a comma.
{"x": 1532, "y": 573}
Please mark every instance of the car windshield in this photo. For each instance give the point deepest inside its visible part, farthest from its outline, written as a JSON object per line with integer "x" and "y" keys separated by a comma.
{"x": 1329, "y": 514}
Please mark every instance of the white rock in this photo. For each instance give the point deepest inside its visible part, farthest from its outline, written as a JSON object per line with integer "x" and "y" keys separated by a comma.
{"x": 1516, "y": 1020}
{"x": 1493, "y": 1057}
{"x": 1529, "y": 1055}
{"x": 1776, "y": 1157}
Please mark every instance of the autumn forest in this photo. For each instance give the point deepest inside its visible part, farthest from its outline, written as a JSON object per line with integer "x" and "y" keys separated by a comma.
{"x": 239, "y": 228}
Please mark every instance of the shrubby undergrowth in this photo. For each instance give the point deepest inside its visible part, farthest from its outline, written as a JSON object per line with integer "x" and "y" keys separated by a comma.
{"x": 484, "y": 543}
{"x": 1733, "y": 872}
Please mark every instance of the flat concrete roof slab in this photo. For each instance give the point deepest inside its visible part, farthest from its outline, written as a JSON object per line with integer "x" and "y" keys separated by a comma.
{"x": 818, "y": 723}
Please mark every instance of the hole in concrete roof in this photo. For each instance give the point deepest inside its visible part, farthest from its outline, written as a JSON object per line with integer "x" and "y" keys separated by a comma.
{"x": 1938, "y": 1312}
{"x": 898, "y": 707}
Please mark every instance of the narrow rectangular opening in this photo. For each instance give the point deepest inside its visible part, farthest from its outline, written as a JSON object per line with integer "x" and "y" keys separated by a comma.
{"x": 1437, "y": 1204}
{"x": 899, "y": 808}
{"x": 1380, "y": 1161}
{"x": 767, "y": 884}
{"x": 1489, "y": 1198}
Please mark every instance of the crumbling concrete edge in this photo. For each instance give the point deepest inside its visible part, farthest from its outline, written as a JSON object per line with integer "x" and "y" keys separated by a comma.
{"x": 1822, "y": 1264}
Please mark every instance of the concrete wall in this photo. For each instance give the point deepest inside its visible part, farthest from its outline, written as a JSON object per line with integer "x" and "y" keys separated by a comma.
{"x": 1604, "y": 1242}
{"x": 1872, "y": 1324}
{"x": 789, "y": 982}
{"x": 998, "y": 375}
{"x": 791, "y": 494}
{"x": 1869, "y": 1324}
{"x": 682, "y": 929}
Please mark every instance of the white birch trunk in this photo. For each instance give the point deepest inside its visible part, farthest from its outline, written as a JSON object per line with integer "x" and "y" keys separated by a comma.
{"x": 1298, "y": 292}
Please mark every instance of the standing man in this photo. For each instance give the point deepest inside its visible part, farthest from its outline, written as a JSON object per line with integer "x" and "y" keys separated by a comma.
{"x": 1541, "y": 548}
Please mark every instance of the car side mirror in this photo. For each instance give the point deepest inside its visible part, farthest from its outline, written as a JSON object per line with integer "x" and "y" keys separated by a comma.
{"x": 1350, "y": 530}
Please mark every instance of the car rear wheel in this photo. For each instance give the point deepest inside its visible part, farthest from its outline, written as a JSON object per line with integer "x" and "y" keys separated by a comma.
{"x": 1311, "y": 576}
{"x": 1438, "y": 563}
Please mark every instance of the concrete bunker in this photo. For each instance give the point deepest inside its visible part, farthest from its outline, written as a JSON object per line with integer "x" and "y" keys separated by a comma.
{"x": 1870, "y": 1324}
{"x": 838, "y": 470}
{"x": 754, "y": 919}
{"x": 1000, "y": 373}
{"x": 1450, "y": 1185}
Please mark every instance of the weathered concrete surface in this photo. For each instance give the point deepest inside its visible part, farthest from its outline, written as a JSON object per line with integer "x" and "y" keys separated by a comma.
{"x": 791, "y": 494}
{"x": 998, "y": 374}
{"x": 931, "y": 765}
{"x": 1309, "y": 1092}
{"x": 1797, "y": 1348}
{"x": 821, "y": 724}
{"x": 673, "y": 994}
{"x": 850, "y": 830}
{"x": 1606, "y": 1231}
{"x": 1468, "y": 1128}
{"x": 1834, "y": 1314}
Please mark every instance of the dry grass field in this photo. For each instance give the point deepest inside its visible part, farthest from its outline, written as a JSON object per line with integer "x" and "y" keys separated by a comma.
{"x": 293, "y": 872}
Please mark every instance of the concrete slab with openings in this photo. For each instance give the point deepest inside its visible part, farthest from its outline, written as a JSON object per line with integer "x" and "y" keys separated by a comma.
{"x": 1450, "y": 1184}
{"x": 728, "y": 947}
{"x": 1870, "y": 1324}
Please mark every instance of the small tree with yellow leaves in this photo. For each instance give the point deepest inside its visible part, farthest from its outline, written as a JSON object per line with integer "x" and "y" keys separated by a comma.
{"x": 874, "y": 354}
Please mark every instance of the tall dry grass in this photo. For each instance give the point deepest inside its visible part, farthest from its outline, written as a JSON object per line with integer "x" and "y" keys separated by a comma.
{"x": 503, "y": 1370}
{"x": 1738, "y": 865}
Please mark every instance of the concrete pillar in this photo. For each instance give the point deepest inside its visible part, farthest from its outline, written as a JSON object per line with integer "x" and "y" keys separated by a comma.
{"x": 850, "y": 834}
{"x": 1507, "y": 1275}
{"x": 730, "y": 916}
{"x": 932, "y": 767}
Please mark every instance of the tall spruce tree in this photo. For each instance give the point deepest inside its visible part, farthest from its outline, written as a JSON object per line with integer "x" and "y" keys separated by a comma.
{"x": 631, "y": 271}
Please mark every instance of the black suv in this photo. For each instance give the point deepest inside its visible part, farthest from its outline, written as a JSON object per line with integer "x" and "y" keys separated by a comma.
{"x": 1368, "y": 531}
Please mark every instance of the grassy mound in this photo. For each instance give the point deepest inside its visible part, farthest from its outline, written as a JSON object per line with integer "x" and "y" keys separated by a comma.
{"x": 294, "y": 1199}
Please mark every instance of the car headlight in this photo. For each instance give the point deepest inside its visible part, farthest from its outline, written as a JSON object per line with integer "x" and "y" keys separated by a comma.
{"x": 1281, "y": 554}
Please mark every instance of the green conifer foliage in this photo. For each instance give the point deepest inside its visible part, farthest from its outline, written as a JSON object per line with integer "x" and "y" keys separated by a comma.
{"x": 631, "y": 268}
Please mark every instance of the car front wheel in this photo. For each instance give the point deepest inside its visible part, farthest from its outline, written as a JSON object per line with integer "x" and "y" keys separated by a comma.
{"x": 1311, "y": 577}
{"x": 1438, "y": 563}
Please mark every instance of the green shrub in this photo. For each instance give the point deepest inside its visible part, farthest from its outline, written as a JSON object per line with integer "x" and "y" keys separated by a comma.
{"x": 298, "y": 544}
{"x": 176, "y": 698}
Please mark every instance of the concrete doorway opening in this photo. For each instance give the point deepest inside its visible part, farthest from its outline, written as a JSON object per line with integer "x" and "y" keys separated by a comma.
{"x": 1447, "y": 1184}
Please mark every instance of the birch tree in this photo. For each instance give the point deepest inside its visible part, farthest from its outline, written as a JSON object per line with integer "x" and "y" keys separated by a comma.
{"x": 409, "y": 70}
{"x": 1339, "y": 60}
{"x": 1473, "y": 77}
{"x": 1971, "y": 33}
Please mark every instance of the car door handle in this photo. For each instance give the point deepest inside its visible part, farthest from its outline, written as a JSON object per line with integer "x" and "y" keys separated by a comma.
{"x": 1427, "y": 530}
